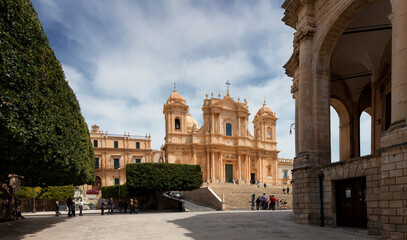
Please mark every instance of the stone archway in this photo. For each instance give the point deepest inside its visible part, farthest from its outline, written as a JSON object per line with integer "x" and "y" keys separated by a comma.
{"x": 345, "y": 142}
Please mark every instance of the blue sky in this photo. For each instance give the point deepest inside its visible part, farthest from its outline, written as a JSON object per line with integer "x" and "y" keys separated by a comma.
{"x": 122, "y": 58}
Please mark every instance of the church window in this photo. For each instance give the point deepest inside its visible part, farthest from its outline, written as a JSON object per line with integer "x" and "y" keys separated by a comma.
{"x": 95, "y": 143}
{"x": 116, "y": 163}
{"x": 96, "y": 163}
{"x": 285, "y": 174}
{"x": 228, "y": 129}
{"x": 138, "y": 145}
{"x": 116, "y": 144}
{"x": 138, "y": 160}
{"x": 177, "y": 124}
{"x": 116, "y": 181}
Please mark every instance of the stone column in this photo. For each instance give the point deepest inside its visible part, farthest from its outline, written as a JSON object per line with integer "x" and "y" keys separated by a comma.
{"x": 248, "y": 167}
{"x": 213, "y": 166}
{"x": 194, "y": 156}
{"x": 221, "y": 171}
{"x": 240, "y": 168}
{"x": 399, "y": 63}
{"x": 304, "y": 127}
{"x": 207, "y": 167}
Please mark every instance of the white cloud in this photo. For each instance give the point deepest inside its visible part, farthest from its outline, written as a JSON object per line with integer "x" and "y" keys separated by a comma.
{"x": 121, "y": 58}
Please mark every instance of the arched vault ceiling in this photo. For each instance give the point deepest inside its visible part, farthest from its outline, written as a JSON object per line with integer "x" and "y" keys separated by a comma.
{"x": 361, "y": 51}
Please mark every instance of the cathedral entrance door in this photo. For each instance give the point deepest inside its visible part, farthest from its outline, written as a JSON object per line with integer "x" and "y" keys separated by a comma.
{"x": 351, "y": 202}
{"x": 228, "y": 172}
{"x": 252, "y": 178}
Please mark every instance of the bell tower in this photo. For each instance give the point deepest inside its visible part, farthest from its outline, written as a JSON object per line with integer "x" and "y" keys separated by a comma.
{"x": 176, "y": 111}
{"x": 265, "y": 124}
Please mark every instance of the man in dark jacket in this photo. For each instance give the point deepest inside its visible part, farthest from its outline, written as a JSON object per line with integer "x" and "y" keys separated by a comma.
{"x": 110, "y": 205}
{"x": 103, "y": 207}
{"x": 69, "y": 205}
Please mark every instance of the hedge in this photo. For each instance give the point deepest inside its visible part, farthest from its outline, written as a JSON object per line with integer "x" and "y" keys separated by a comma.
{"x": 147, "y": 178}
{"x": 113, "y": 191}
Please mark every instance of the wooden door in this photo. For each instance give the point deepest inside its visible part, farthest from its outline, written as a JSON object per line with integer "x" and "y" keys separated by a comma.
{"x": 351, "y": 202}
{"x": 228, "y": 172}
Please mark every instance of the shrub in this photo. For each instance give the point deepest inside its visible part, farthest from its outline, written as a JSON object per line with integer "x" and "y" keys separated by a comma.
{"x": 113, "y": 191}
{"x": 147, "y": 178}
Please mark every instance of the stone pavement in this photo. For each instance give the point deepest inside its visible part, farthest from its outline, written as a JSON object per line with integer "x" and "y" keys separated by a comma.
{"x": 173, "y": 225}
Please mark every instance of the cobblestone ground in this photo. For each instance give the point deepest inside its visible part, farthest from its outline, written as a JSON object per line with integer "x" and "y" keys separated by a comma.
{"x": 173, "y": 225}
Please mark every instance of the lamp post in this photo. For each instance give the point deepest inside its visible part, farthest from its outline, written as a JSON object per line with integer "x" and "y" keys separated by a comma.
{"x": 292, "y": 126}
{"x": 119, "y": 184}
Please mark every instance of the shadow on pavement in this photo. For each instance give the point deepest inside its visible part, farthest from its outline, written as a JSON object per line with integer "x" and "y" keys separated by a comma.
{"x": 27, "y": 227}
{"x": 258, "y": 225}
{"x": 238, "y": 225}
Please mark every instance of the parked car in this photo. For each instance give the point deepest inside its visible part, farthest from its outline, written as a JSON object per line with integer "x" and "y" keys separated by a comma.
{"x": 93, "y": 191}
{"x": 175, "y": 194}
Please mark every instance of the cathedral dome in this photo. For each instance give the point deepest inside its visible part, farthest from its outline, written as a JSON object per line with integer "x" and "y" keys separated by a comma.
{"x": 265, "y": 110}
{"x": 191, "y": 122}
{"x": 175, "y": 97}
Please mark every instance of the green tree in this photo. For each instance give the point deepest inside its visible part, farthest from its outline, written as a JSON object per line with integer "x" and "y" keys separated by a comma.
{"x": 43, "y": 136}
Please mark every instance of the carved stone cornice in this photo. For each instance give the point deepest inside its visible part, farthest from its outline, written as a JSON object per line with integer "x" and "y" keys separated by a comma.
{"x": 294, "y": 87}
{"x": 292, "y": 64}
{"x": 291, "y": 8}
{"x": 307, "y": 31}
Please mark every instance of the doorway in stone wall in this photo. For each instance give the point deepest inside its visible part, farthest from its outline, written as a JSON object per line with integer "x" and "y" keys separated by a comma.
{"x": 351, "y": 202}
{"x": 252, "y": 178}
{"x": 228, "y": 172}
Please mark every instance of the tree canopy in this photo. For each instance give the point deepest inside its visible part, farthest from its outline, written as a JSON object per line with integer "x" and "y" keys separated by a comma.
{"x": 146, "y": 178}
{"x": 43, "y": 136}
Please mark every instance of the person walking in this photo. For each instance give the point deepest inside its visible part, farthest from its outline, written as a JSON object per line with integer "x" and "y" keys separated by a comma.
{"x": 73, "y": 209}
{"x": 110, "y": 205}
{"x": 284, "y": 190}
{"x": 69, "y": 205}
{"x": 253, "y": 200}
{"x": 57, "y": 213}
{"x": 263, "y": 201}
{"x": 80, "y": 207}
{"x": 273, "y": 203}
{"x": 288, "y": 190}
{"x": 135, "y": 205}
{"x": 103, "y": 207}
{"x": 131, "y": 206}
{"x": 258, "y": 201}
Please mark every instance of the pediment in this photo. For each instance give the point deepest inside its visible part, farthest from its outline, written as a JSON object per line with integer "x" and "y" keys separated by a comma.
{"x": 229, "y": 104}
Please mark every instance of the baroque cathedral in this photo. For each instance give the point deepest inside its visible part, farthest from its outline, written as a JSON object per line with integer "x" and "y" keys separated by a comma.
{"x": 223, "y": 146}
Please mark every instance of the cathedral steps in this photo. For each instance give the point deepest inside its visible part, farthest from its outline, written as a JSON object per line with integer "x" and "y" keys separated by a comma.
{"x": 238, "y": 196}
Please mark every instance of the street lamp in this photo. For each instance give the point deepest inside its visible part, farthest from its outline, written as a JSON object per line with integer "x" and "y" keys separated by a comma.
{"x": 292, "y": 126}
{"x": 119, "y": 184}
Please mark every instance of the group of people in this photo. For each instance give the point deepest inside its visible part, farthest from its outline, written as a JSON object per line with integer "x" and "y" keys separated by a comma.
{"x": 286, "y": 189}
{"x": 122, "y": 206}
{"x": 71, "y": 207}
{"x": 264, "y": 203}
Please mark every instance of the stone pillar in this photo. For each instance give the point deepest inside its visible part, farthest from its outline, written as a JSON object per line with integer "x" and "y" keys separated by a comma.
{"x": 399, "y": 63}
{"x": 221, "y": 171}
{"x": 304, "y": 125}
{"x": 240, "y": 167}
{"x": 238, "y": 126}
{"x": 213, "y": 166}
{"x": 194, "y": 156}
{"x": 207, "y": 167}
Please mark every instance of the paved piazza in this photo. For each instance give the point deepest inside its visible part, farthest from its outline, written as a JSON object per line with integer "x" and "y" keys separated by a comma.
{"x": 173, "y": 225}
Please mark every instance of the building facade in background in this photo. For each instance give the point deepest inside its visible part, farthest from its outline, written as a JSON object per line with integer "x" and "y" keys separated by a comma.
{"x": 223, "y": 146}
{"x": 351, "y": 56}
{"x": 113, "y": 152}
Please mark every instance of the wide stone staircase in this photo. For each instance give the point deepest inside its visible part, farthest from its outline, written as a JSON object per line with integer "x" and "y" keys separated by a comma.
{"x": 237, "y": 196}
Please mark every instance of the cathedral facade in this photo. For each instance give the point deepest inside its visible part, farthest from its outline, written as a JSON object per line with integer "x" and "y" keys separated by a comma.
{"x": 223, "y": 146}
